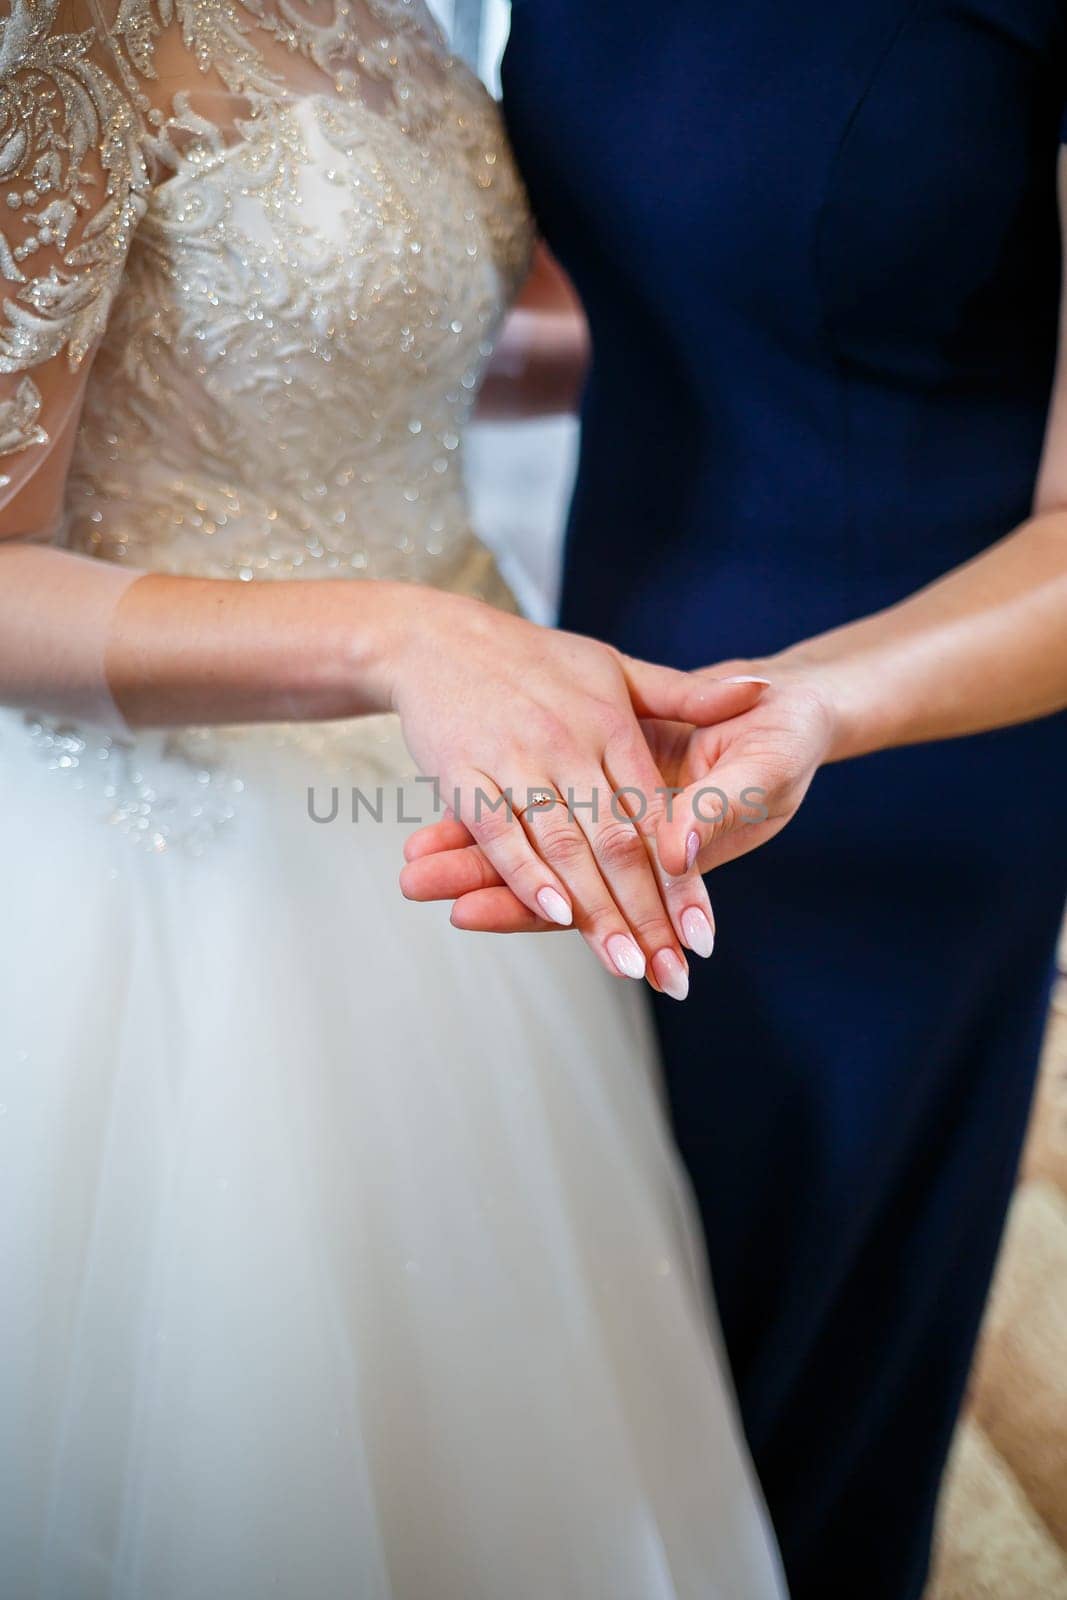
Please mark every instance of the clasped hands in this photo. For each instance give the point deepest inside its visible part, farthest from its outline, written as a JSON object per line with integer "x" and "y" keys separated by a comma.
{"x": 659, "y": 776}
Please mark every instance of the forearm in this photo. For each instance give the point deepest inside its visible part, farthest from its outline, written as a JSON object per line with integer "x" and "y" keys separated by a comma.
{"x": 538, "y": 368}
{"x": 983, "y": 647}
{"x": 179, "y": 650}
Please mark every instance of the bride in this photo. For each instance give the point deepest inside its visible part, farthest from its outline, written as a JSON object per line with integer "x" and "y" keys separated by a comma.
{"x": 339, "y": 1258}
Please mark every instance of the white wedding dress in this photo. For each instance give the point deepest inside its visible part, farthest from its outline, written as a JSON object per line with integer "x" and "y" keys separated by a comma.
{"x": 343, "y": 1256}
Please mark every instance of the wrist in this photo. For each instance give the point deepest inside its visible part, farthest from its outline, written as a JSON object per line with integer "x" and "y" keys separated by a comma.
{"x": 850, "y": 692}
{"x": 398, "y": 638}
{"x": 817, "y": 691}
{"x": 375, "y": 625}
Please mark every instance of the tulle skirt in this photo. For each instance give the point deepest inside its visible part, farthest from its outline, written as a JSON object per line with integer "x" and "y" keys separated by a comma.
{"x": 343, "y": 1255}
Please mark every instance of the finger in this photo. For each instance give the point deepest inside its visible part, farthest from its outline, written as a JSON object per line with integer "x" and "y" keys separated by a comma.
{"x": 448, "y": 874}
{"x": 689, "y": 696}
{"x": 447, "y": 834}
{"x": 685, "y": 898}
{"x": 623, "y": 860}
{"x": 497, "y": 911}
{"x": 705, "y": 814}
{"x": 561, "y": 841}
{"x": 689, "y": 907}
{"x": 488, "y": 813}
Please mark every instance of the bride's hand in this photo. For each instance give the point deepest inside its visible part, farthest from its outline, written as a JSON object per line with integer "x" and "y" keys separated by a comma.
{"x": 494, "y": 706}
{"x": 443, "y": 862}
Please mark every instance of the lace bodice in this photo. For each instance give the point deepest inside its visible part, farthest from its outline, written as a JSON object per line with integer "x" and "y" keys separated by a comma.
{"x": 282, "y": 236}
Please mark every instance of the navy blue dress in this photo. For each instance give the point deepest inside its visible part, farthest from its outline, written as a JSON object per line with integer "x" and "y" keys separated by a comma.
{"x": 818, "y": 245}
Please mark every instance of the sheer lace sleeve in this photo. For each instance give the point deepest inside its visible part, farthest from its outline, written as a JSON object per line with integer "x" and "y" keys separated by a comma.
{"x": 72, "y": 189}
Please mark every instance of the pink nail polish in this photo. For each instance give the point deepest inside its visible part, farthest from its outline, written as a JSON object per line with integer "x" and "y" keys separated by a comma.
{"x": 692, "y": 850}
{"x": 553, "y": 907}
{"x": 671, "y": 975}
{"x": 698, "y": 932}
{"x": 766, "y": 682}
{"x": 626, "y": 957}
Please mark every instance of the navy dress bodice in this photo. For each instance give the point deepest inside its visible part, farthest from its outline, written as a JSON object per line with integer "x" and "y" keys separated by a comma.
{"x": 819, "y": 249}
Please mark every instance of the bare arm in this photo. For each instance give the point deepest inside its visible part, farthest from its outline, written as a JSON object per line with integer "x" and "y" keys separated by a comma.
{"x": 543, "y": 352}
{"x": 173, "y": 651}
{"x": 983, "y": 647}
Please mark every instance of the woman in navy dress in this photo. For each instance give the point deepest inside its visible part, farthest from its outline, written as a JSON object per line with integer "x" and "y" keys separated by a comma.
{"x": 819, "y": 251}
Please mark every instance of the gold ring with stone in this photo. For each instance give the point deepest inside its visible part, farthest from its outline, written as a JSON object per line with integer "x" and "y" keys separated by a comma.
{"x": 538, "y": 800}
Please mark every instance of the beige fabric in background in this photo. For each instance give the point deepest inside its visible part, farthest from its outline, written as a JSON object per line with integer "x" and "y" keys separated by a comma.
{"x": 1003, "y": 1527}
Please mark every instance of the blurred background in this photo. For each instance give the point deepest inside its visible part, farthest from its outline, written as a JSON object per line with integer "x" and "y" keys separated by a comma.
{"x": 520, "y": 473}
{"x": 1003, "y": 1525}
{"x": 1003, "y": 1533}
{"x": 479, "y": 29}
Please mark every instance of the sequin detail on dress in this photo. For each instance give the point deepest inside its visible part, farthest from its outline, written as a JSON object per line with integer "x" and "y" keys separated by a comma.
{"x": 158, "y": 802}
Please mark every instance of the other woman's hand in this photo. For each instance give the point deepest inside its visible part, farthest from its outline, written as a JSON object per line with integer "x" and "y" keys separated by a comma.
{"x": 742, "y": 781}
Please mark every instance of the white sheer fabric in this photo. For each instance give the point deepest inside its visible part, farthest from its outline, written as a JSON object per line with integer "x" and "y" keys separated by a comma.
{"x": 57, "y": 613}
{"x": 341, "y": 1255}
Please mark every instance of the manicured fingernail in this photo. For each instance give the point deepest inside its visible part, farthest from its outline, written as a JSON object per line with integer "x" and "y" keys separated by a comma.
{"x": 766, "y": 682}
{"x": 692, "y": 850}
{"x": 554, "y": 907}
{"x": 671, "y": 975}
{"x": 698, "y": 932}
{"x": 626, "y": 956}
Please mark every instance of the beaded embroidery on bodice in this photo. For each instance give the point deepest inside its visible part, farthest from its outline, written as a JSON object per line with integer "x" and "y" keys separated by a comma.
{"x": 301, "y": 259}
{"x": 285, "y": 232}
